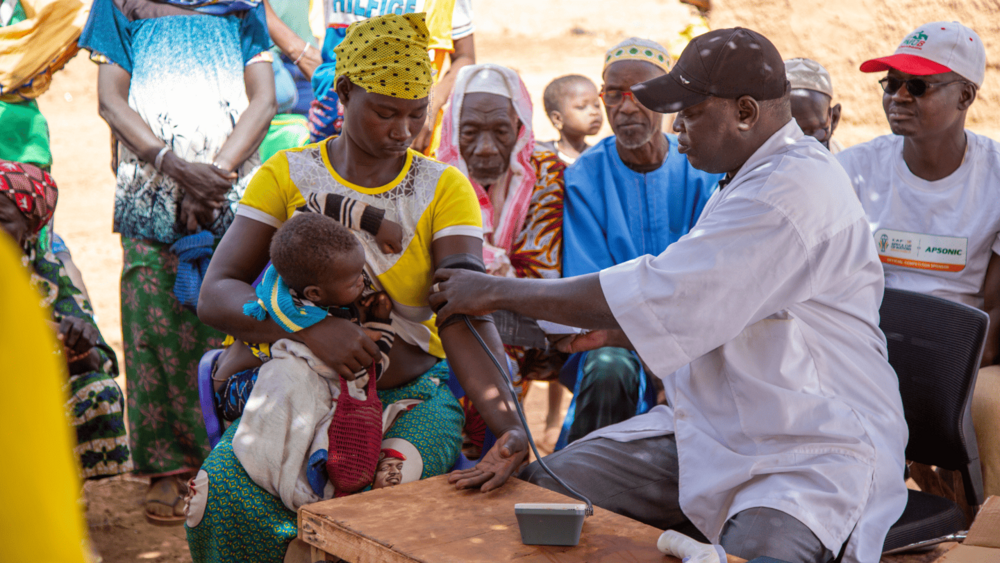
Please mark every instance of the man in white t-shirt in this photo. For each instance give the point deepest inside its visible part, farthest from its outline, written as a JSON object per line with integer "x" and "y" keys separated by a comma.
{"x": 931, "y": 192}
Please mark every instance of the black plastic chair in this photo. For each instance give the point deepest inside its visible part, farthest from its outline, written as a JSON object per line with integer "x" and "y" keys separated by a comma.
{"x": 935, "y": 346}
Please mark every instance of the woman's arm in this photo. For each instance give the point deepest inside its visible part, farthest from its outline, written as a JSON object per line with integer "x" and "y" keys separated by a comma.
{"x": 463, "y": 55}
{"x": 253, "y": 123}
{"x": 204, "y": 181}
{"x": 291, "y": 44}
{"x": 483, "y": 385}
{"x": 241, "y": 256}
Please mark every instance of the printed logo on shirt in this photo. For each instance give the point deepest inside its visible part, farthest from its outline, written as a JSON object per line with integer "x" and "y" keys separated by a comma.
{"x": 356, "y": 10}
{"x": 921, "y": 251}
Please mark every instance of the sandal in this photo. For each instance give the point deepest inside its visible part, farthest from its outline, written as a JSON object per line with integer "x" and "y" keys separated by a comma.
{"x": 166, "y": 488}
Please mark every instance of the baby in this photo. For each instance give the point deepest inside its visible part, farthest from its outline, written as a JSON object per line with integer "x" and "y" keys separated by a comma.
{"x": 574, "y": 108}
{"x": 294, "y": 429}
{"x": 317, "y": 270}
{"x": 236, "y": 369}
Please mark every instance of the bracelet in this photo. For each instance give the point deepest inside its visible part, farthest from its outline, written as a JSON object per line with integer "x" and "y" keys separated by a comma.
{"x": 302, "y": 54}
{"x": 158, "y": 161}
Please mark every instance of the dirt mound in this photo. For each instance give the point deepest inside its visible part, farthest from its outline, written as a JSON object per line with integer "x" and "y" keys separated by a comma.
{"x": 841, "y": 35}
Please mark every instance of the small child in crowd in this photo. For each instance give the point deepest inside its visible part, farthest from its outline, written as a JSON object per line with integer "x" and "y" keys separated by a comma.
{"x": 574, "y": 108}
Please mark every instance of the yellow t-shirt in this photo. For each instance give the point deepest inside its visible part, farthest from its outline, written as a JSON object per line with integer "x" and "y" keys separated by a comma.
{"x": 428, "y": 199}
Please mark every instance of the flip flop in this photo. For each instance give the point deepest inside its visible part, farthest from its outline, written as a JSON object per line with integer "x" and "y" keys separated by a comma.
{"x": 175, "y": 519}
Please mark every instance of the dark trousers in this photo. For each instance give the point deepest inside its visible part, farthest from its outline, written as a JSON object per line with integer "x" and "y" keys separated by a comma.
{"x": 609, "y": 391}
{"x": 640, "y": 480}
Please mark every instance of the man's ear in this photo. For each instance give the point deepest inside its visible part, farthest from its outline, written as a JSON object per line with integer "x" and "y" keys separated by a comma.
{"x": 968, "y": 95}
{"x": 557, "y": 120}
{"x": 747, "y": 113}
{"x": 834, "y": 118}
{"x": 313, "y": 293}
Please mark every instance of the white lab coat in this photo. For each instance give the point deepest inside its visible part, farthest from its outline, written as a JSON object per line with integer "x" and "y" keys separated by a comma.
{"x": 763, "y": 324}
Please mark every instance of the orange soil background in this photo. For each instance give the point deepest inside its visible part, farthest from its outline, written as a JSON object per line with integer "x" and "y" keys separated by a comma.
{"x": 542, "y": 40}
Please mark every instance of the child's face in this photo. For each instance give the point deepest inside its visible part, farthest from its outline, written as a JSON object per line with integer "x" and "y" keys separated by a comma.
{"x": 581, "y": 111}
{"x": 343, "y": 285}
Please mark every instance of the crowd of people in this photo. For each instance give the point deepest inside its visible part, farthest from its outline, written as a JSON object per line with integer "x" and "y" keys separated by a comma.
{"x": 327, "y": 218}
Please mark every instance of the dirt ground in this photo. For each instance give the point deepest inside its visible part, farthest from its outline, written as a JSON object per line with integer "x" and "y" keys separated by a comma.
{"x": 542, "y": 40}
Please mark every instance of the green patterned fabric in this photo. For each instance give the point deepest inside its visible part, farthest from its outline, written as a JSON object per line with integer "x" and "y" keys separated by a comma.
{"x": 243, "y": 522}
{"x": 287, "y": 131}
{"x": 96, "y": 407}
{"x": 163, "y": 344}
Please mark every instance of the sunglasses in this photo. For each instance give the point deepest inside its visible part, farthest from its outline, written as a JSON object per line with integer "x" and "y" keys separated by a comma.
{"x": 915, "y": 86}
{"x": 612, "y": 98}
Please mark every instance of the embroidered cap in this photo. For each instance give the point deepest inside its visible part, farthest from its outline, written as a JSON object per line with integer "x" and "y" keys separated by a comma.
{"x": 936, "y": 48}
{"x": 638, "y": 49}
{"x": 725, "y": 63}
{"x": 807, "y": 74}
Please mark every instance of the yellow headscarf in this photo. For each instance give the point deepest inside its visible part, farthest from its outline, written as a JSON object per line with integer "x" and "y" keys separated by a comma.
{"x": 388, "y": 55}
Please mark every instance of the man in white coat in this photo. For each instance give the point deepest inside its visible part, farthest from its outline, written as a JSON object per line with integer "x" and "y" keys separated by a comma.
{"x": 784, "y": 434}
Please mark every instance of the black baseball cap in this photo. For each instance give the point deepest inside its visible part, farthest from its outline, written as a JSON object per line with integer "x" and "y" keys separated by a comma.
{"x": 725, "y": 63}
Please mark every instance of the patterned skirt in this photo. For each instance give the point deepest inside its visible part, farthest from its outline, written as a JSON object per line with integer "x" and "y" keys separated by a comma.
{"x": 163, "y": 344}
{"x": 96, "y": 410}
{"x": 239, "y": 521}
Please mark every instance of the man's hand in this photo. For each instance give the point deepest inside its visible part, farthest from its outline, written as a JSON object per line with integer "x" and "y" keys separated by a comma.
{"x": 493, "y": 470}
{"x": 593, "y": 340}
{"x": 77, "y": 335}
{"x": 461, "y": 292}
{"x": 390, "y": 237}
{"x": 340, "y": 344}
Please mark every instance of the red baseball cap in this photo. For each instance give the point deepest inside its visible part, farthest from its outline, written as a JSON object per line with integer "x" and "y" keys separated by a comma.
{"x": 937, "y": 48}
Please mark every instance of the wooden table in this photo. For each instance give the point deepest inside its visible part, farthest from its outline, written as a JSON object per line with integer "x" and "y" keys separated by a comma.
{"x": 430, "y": 522}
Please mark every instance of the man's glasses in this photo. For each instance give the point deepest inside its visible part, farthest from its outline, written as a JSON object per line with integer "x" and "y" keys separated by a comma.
{"x": 915, "y": 86}
{"x": 612, "y": 98}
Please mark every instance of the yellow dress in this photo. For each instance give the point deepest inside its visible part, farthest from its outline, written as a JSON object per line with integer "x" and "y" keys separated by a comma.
{"x": 41, "y": 518}
{"x": 427, "y": 198}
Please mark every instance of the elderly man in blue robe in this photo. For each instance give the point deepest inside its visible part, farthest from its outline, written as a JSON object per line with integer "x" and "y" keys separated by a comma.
{"x": 630, "y": 195}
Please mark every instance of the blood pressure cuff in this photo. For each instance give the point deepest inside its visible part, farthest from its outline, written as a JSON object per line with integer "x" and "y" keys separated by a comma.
{"x": 464, "y": 261}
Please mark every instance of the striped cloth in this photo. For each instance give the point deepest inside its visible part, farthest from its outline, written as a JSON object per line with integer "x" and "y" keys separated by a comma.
{"x": 274, "y": 299}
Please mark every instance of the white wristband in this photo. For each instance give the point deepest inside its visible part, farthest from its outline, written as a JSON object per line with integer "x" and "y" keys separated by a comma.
{"x": 158, "y": 161}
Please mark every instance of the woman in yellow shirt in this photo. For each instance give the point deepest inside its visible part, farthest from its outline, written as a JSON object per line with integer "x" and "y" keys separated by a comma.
{"x": 383, "y": 80}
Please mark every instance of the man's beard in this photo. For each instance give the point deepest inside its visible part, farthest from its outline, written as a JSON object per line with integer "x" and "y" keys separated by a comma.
{"x": 636, "y": 139}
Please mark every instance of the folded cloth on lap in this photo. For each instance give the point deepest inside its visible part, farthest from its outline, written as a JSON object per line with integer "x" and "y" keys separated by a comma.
{"x": 286, "y": 421}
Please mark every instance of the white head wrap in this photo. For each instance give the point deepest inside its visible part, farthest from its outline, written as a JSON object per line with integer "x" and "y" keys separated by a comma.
{"x": 488, "y": 81}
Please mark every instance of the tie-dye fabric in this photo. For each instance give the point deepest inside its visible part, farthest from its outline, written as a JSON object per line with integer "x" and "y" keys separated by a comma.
{"x": 95, "y": 405}
{"x": 190, "y": 95}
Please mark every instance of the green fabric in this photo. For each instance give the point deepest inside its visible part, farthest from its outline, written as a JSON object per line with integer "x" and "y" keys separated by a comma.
{"x": 243, "y": 522}
{"x": 95, "y": 406}
{"x": 19, "y": 15}
{"x": 24, "y": 134}
{"x": 287, "y": 131}
{"x": 295, "y": 14}
{"x": 163, "y": 344}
